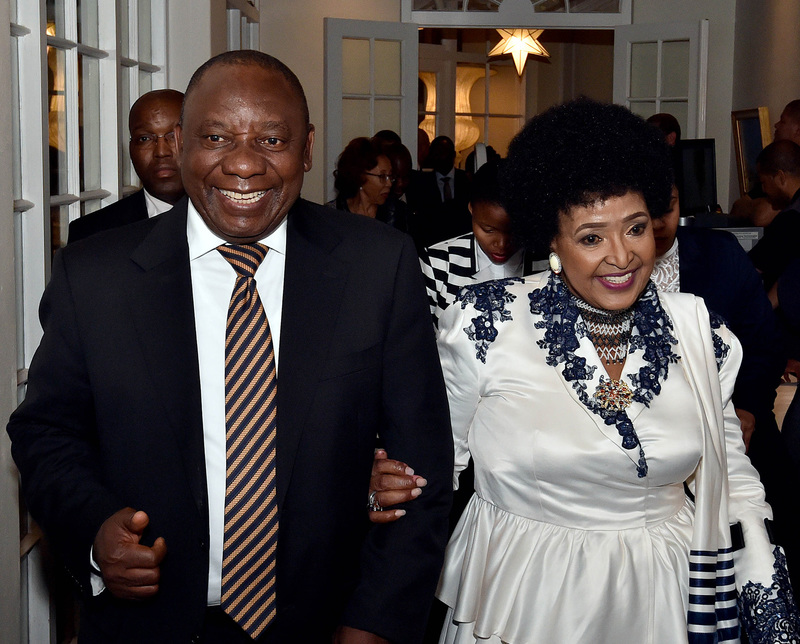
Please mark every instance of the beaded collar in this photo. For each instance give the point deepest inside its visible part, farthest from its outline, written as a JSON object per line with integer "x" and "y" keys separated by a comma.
{"x": 609, "y": 331}
{"x": 563, "y": 329}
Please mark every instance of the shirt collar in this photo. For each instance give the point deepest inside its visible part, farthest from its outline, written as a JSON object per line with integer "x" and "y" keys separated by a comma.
{"x": 202, "y": 240}
{"x": 155, "y": 206}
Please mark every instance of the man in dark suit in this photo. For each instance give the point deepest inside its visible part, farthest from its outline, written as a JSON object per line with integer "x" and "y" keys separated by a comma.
{"x": 124, "y": 436}
{"x": 151, "y": 123}
{"x": 439, "y": 200}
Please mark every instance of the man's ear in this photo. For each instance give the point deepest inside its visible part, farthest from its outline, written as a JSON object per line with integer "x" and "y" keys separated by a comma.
{"x": 309, "y": 149}
{"x": 179, "y": 139}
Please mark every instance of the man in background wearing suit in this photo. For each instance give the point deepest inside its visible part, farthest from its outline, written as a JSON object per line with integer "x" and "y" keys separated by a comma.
{"x": 136, "y": 408}
{"x": 439, "y": 200}
{"x": 151, "y": 123}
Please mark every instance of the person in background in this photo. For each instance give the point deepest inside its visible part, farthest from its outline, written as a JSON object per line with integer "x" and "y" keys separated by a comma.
{"x": 669, "y": 125}
{"x": 488, "y": 252}
{"x": 755, "y": 205}
{"x": 396, "y": 206}
{"x": 151, "y": 124}
{"x": 778, "y": 167}
{"x": 363, "y": 182}
{"x": 438, "y": 197}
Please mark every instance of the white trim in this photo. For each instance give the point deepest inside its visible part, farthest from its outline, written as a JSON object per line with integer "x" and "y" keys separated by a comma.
{"x": 514, "y": 13}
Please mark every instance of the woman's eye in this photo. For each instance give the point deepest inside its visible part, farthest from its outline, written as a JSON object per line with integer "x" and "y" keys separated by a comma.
{"x": 591, "y": 240}
{"x": 638, "y": 229}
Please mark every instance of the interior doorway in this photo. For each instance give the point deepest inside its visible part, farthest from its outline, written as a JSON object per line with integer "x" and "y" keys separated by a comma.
{"x": 473, "y": 98}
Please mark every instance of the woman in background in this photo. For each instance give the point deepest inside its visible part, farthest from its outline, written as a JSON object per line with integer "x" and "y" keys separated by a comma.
{"x": 363, "y": 179}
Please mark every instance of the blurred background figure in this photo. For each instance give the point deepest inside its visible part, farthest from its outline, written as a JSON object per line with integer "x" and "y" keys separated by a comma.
{"x": 778, "y": 167}
{"x": 489, "y": 251}
{"x": 439, "y": 197}
{"x": 755, "y": 205}
{"x": 151, "y": 123}
{"x": 364, "y": 180}
{"x": 396, "y": 207}
{"x": 669, "y": 125}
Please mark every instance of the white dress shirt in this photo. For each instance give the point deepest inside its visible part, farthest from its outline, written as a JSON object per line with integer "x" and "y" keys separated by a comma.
{"x": 212, "y": 285}
{"x": 213, "y": 280}
{"x": 154, "y": 205}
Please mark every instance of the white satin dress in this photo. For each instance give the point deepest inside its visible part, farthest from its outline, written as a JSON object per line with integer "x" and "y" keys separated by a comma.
{"x": 562, "y": 541}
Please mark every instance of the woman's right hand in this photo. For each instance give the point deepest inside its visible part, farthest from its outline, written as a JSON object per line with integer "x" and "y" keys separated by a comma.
{"x": 392, "y": 482}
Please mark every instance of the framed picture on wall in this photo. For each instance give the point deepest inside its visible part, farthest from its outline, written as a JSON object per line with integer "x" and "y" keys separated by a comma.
{"x": 752, "y": 131}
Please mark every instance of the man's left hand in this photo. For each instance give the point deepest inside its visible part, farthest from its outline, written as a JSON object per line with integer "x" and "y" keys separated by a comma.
{"x": 348, "y": 635}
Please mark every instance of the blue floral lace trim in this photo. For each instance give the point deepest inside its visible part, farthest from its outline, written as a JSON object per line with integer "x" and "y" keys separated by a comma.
{"x": 770, "y": 615}
{"x": 721, "y": 349}
{"x": 563, "y": 330}
{"x": 489, "y": 299}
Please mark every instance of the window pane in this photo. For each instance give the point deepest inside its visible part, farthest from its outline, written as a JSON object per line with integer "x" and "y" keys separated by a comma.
{"x": 89, "y": 100}
{"x": 15, "y": 127}
{"x": 644, "y": 64}
{"x": 90, "y": 206}
{"x": 675, "y": 68}
{"x": 355, "y": 66}
{"x": 59, "y": 226}
{"x": 87, "y": 23}
{"x": 506, "y": 90}
{"x": 594, "y": 6}
{"x": 680, "y": 110}
{"x": 355, "y": 119}
{"x": 128, "y": 177}
{"x": 57, "y": 116}
{"x": 550, "y": 6}
{"x": 145, "y": 32}
{"x": 645, "y": 109}
{"x": 501, "y": 131}
{"x": 387, "y": 67}
{"x": 145, "y": 82}
{"x": 456, "y": 5}
{"x": 471, "y": 80}
{"x": 124, "y": 29}
{"x": 55, "y": 18}
{"x": 387, "y": 115}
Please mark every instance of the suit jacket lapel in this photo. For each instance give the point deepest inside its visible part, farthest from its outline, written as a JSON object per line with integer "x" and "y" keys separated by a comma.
{"x": 313, "y": 281}
{"x": 163, "y": 315}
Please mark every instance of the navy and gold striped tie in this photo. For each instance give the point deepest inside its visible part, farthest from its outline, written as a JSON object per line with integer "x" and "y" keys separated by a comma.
{"x": 251, "y": 509}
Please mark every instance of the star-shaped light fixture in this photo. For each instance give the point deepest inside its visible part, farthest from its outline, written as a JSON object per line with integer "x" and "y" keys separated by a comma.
{"x": 519, "y": 43}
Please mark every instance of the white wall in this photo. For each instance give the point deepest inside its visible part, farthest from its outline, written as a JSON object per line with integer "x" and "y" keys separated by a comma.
{"x": 721, "y": 17}
{"x": 9, "y": 509}
{"x": 294, "y": 33}
{"x": 196, "y": 32}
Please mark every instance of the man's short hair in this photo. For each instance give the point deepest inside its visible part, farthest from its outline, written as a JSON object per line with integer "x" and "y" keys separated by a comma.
{"x": 667, "y": 124}
{"x": 249, "y": 57}
{"x": 792, "y": 110}
{"x": 779, "y": 156}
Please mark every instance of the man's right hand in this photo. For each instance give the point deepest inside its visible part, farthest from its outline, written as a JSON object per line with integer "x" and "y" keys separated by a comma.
{"x": 130, "y": 570}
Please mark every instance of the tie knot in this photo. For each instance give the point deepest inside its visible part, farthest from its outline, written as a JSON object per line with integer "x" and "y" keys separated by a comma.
{"x": 245, "y": 258}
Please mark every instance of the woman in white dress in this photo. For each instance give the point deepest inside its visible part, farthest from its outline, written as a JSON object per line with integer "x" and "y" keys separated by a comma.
{"x": 613, "y": 499}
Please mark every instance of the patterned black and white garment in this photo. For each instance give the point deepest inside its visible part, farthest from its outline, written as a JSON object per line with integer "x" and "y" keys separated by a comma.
{"x": 579, "y": 529}
{"x": 454, "y": 263}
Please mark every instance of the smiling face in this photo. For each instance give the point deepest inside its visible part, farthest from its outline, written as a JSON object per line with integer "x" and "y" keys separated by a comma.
{"x": 375, "y": 189}
{"x": 154, "y": 155}
{"x": 492, "y": 228}
{"x": 245, "y": 147}
{"x": 607, "y": 251}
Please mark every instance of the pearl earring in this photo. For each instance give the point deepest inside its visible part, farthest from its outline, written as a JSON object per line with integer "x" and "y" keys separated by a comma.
{"x": 555, "y": 263}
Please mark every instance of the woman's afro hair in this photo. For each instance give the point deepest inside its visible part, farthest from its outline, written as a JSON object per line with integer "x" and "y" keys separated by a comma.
{"x": 575, "y": 154}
